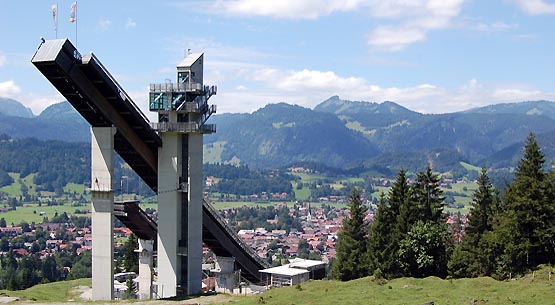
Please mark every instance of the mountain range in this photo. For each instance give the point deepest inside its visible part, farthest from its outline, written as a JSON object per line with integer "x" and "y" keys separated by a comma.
{"x": 338, "y": 133}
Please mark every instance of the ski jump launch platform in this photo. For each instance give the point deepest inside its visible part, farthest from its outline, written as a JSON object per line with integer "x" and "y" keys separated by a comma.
{"x": 166, "y": 158}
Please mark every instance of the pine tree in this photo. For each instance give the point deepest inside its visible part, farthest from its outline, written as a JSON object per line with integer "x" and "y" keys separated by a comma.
{"x": 475, "y": 256}
{"x": 351, "y": 244}
{"x": 380, "y": 234}
{"x": 389, "y": 227}
{"x": 527, "y": 215}
{"x": 427, "y": 197}
{"x": 130, "y": 257}
{"x": 482, "y": 208}
{"x": 400, "y": 200}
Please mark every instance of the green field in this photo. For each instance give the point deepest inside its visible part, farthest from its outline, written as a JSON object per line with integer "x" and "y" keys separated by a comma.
{"x": 412, "y": 291}
{"x": 31, "y": 213}
{"x": 302, "y": 194}
{"x": 64, "y": 291}
{"x": 470, "y": 167}
{"x": 213, "y": 152}
{"x": 309, "y": 177}
{"x": 13, "y": 189}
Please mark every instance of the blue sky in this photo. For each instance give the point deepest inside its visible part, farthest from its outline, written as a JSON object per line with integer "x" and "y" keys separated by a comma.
{"x": 432, "y": 56}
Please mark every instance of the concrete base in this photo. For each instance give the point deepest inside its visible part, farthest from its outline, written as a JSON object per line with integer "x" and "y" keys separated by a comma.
{"x": 102, "y": 197}
{"x": 180, "y": 196}
{"x": 169, "y": 214}
{"x": 145, "y": 269}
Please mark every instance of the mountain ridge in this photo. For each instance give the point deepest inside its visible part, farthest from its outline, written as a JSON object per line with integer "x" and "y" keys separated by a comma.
{"x": 339, "y": 133}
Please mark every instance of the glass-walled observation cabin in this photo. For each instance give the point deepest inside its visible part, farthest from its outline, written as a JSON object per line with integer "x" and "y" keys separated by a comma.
{"x": 185, "y": 101}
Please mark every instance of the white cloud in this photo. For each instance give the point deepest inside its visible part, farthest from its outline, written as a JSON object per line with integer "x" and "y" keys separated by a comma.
{"x": 104, "y": 24}
{"x": 310, "y": 87}
{"x": 131, "y": 24}
{"x": 415, "y": 18}
{"x": 9, "y": 89}
{"x": 395, "y": 38}
{"x": 246, "y": 84}
{"x": 292, "y": 9}
{"x": 536, "y": 7}
{"x": 3, "y": 59}
{"x": 412, "y": 19}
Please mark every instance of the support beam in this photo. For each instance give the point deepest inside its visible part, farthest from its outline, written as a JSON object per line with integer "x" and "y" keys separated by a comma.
{"x": 102, "y": 197}
{"x": 146, "y": 248}
{"x": 194, "y": 222}
{"x": 169, "y": 214}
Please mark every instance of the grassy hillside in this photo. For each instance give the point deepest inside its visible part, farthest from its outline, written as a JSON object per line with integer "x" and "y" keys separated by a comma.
{"x": 52, "y": 292}
{"x": 527, "y": 290}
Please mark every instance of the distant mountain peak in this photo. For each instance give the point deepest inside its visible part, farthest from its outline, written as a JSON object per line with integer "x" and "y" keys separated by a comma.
{"x": 14, "y": 108}
{"x": 338, "y": 106}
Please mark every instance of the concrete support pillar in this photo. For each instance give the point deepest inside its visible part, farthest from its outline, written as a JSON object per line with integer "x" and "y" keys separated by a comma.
{"x": 146, "y": 248}
{"x": 102, "y": 197}
{"x": 194, "y": 221}
{"x": 169, "y": 214}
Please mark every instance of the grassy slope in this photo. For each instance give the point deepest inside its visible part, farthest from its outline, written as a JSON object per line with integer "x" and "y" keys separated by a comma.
{"x": 52, "y": 292}
{"x": 413, "y": 291}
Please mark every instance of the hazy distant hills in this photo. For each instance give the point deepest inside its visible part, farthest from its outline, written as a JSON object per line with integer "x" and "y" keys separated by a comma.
{"x": 338, "y": 133}
{"x": 279, "y": 134}
{"x": 57, "y": 122}
{"x": 14, "y": 108}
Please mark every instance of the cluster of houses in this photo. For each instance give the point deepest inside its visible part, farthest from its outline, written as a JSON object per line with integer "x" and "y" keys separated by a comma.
{"x": 78, "y": 239}
{"x": 319, "y": 231}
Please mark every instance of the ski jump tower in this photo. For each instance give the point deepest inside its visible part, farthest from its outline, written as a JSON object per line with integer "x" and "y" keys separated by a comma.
{"x": 182, "y": 113}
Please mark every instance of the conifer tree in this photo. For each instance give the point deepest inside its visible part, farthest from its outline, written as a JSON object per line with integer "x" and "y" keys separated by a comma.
{"x": 130, "y": 257}
{"x": 400, "y": 196}
{"x": 427, "y": 197}
{"x": 380, "y": 250}
{"x": 482, "y": 208}
{"x": 350, "y": 262}
{"x": 388, "y": 227}
{"x": 527, "y": 215}
{"x": 475, "y": 256}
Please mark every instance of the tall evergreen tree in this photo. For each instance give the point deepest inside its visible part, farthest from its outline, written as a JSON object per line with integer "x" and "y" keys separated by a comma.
{"x": 380, "y": 235}
{"x": 475, "y": 256}
{"x": 400, "y": 199}
{"x": 389, "y": 227}
{"x": 527, "y": 215}
{"x": 350, "y": 262}
{"x": 130, "y": 257}
{"x": 427, "y": 196}
{"x": 482, "y": 208}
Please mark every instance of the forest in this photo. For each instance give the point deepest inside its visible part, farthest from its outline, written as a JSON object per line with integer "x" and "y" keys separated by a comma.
{"x": 508, "y": 232}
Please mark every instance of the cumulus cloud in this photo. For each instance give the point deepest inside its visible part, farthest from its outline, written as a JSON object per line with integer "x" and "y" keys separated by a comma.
{"x": 414, "y": 19}
{"x": 9, "y": 89}
{"x": 408, "y": 21}
{"x": 309, "y": 87}
{"x": 536, "y": 7}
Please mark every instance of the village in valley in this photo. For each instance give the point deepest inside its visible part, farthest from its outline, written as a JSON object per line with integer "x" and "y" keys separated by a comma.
{"x": 278, "y": 231}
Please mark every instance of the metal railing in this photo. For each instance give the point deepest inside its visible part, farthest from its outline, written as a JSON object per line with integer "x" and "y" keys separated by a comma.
{"x": 176, "y": 87}
{"x": 183, "y": 127}
{"x": 233, "y": 234}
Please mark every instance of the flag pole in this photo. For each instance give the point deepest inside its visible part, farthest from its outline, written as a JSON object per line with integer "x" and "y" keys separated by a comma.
{"x": 76, "y": 23}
